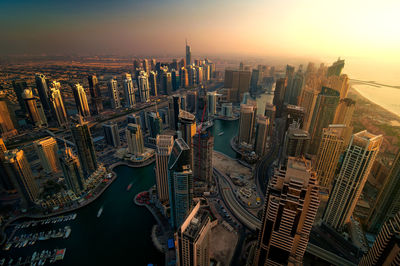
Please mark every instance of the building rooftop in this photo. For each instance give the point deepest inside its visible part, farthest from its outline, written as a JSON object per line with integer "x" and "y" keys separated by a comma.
{"x": 197, "y": 222}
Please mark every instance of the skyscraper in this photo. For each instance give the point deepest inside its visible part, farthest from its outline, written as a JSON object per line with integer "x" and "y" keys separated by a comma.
{"x": 291, "y": 204}
{"x": 18, "y": 169}
{"x": 180, "y": 182}
{"x": 166, "y": 82}
{"x": 173, "y": 111}
{"x": 388, "y": 201}
{"x": 184, "y": 77}
{"x": 279, "y": 95}
{"x": 95, "y": 94}
{"x": 386, "y": 248}
{"x": 323, "y": 115}
{"x": 134, "y": 138}
{"x": 212, "y": 103}
{"x": 187, "y": 125}
{"x": 146, "y": 66}
{"x": 84, "y": 145}
{"x": 164, "y": 148}
{"x": 5, "y": 180}
{"x": 191, "y": 98}
{"x": 336, "y": 68}
{"x": 47, "y": 151}
{"x": 114, "y": 94}
{"x": 81, "y": 100}
{"x": 193, "y": 238}
{"x": 188, "y": 54}
{"x": 246, "y": 123}
{"x": 43, "y": 90}
{"x": 129, "y": 91}
{"x": 334, "y": 140}
{"x": 6, "y": 124}
{"x": 262, "y": 129}
{"x": 295, "y": 143}
{"x": 144, "y": 90}
{"x": 19, "y": 87}
{"x": 155, "y": 124}
{"x": 111, "y": 134}
{"x": 349, "y": 183}
{"x": 57, "y": 104}
{"x": 307, "y": 100}
{"x": 203, "y": 146}
{"x": 153, "y": 83}
{"x": 72, "y": 171}
{"x": 36, "y": 115}
{"x": 344, "y": 112}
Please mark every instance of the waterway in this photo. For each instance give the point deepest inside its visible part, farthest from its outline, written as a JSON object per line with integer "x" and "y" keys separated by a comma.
{"x": 122, "y": 234}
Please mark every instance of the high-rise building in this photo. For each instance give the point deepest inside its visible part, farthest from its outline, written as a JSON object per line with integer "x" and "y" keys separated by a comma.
{"x": 291, "y": 204}
{"x": 36, "y": 115}
{"x": 43, "y": 90}
{"x": 129, "y": 91}
{"x": 293, "y": 113}
{"x": 183, "y": 102}
{"x": 193, "y": 239}
{"x": 323, "y": 115}
{"x": 153, "y": 83}
{"x": 164, "y": 147}
{"x": 173, "y": 111}
{"x": 296, "y": 87}
{"x": 57, "y": 104}
{"x": 338, "y": 83}
{"x": 279, "y": 95}
{"x": 246, "y": 123}
{"x": 262, "y": 129}
{"x": 155, "y": 124}
{"x": 202, "y": 146}
{"x": 187, "y": 125}
{"x": 72, "y": 171}
{"x": 226, "y": 109}
{"x": 388, "y": 201}
{"x": 114, "y": 94}
{"x": 188, "y": 54}
{"x": 166, "y": 82}
{"x": 180, "y": 182}
{"x": 336, "y": 68}
{"x": 295, "y": 143}
{"x": 6, "y": 123}
{"x": 175, "y": 79}
{"x": 146, "y": 66}
{"x": 47, "y": 151}
{"x": 349, "y": 183}
{"x": 18, "y": 169}
{"x": 269, "y": 112}
{"x": 111, "y": 134}
{"x": 238, "y": 80}
{"x": 85, "y": 147}
{"x": 386, "y": 248}
{"x": 19, "y": 87}
{"x": 134, "y": 137}
{"x": 255, "y": 80}
{"x": 144, "y": 90}
{"x": 334, "y": 141}
{"x": 307, "y": 100}
{"x": 344, "y": 112}
{"x": 184, "y": 77}
{"x": 212, "y": 103}
{"x": 5, "y": 182}
{"x": 191, "y": 98}
{"x": 81, "y": 100}
{"x": 95, "y": 94}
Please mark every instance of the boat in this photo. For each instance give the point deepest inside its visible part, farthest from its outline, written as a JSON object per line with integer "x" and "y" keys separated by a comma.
{"x": 100, "y": 212}
{"x": 221, "y": 133}
{"x": 129, "y": 187}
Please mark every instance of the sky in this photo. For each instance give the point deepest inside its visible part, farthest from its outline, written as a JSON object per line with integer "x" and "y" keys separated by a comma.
{"x": 365, "y": 33}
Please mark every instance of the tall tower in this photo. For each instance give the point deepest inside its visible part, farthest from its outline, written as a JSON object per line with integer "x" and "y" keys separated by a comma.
{"x": 336, "y": 68}
{"x": 188, "y": 54}
{"x": 386, "y": 248}
{"x": 262, "y": 129}
{"x": 296, "y": 142}
{"x": 323, "y": 115}
{"x": 72, "y": 171}
{"x": 134, "y": 138}
{"x": 85, "y": 147}
{"x": 334, "y": 140}
{"x": 246, "y": 123}
{"x": 357, "y": 163}
{"x": 5, "y": 180}
{"x": 307, "y": 100}
{"x": 19, "y": 87}
{"x": 57, "y": 104}
{"x": 187, "y": 125}
{"x": 111, "y": 134}
{"x": 17, "y": 168}
{"x": 388, "y": 201}
{"x": 153, "y": 83}
{"x": 164, "y": 148}
{"x": 193, "y": 238}
{"x": 155, "y": 124}
{"x": 47, "y": 151}
{"x": 81, "y": 100}
{"x": 43, "y": 90}
{"x": 38, "y": 119}
{"x": 291, "y": 204}
{"x": 144, "y": 90}
{"x": 279, "y": 95}
{"x": 203, "y": 146}
{"x": 95, "y": 94}
{"x": 184, "y": 77}
{"x": 212, "y": 103}
{"x": 6, "y": 124}
{"x": 344, "y": 112}
{"x": 180, "y": 182}
{"x": 114, "y": 94}
{"x": 173, "y": 111}
{"x": 129, "y": 91}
